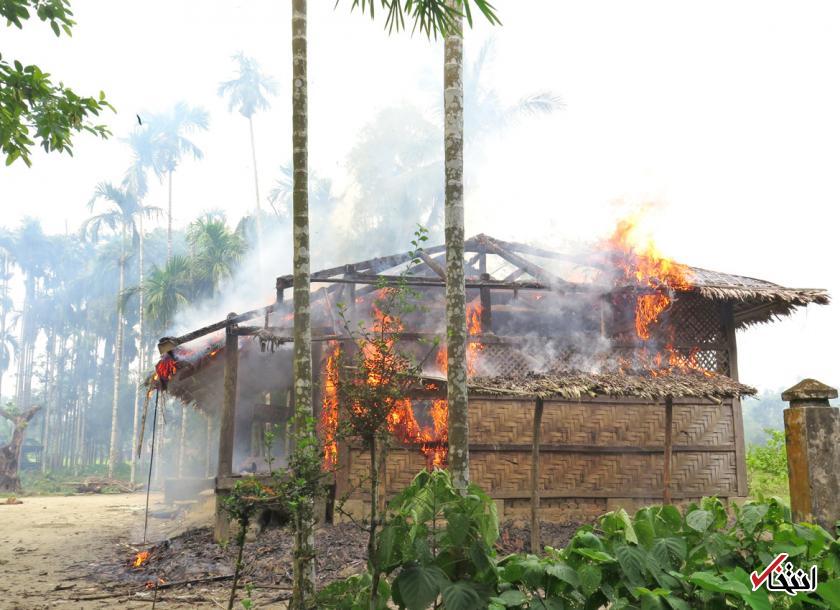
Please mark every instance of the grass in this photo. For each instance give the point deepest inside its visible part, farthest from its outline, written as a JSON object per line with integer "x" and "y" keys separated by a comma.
{"x": 57, "y": 482}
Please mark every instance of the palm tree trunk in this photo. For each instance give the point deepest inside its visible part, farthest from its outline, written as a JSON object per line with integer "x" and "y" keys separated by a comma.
{"x": 3, "y": 294}
{"x": 23, "y": 352}
{"x": 141, "y": 352}
{"x": 303, "y": 589}
{"x": 112, "y": 454}
{"x": 48, "y": 412}
{"x": 258, "y": 219}
{"x": 456, "y": 318}
{"x": 169, "y": 221}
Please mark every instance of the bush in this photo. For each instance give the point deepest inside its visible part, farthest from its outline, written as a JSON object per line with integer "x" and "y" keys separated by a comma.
{"x": 767, "y": 469}
{"x": 437, "y": 552}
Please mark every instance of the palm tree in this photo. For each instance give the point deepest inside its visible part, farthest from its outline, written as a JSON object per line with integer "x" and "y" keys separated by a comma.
{"x": 249, "y": 93}
{"x": 121, "y": 214}
{"x": 165, "y": 142}
{"x": 446, "y": 17}
{"x": 8, "y": 342}
{"x": 30, "y": 250}
{"x": 165, "y": 290}
{"x": 216, "y": 252}
{"x": 456, "y": 316}
{"x": 303, "y": 589}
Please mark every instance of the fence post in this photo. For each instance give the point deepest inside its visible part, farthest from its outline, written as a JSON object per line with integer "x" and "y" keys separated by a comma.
{"x": 812, "y": 430}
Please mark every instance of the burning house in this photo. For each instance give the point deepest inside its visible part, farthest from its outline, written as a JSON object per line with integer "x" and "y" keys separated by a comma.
{"x": 595, "y": 380}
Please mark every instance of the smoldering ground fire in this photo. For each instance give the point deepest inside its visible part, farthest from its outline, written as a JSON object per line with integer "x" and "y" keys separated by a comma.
{"x": 614, "y": 329}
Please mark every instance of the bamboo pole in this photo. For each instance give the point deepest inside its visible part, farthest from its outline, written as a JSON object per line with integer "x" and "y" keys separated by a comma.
{"x": 536, "y": 547}
{"x": 669, "y": 432}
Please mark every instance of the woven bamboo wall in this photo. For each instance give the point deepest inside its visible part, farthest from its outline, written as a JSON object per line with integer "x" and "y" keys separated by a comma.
{"x": 593, "y": 453}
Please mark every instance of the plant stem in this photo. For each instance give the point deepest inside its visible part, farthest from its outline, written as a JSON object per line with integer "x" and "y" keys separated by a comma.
{"x": 240, "y": 540}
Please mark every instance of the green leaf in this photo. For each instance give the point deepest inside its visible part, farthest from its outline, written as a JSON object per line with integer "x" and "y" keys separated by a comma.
{"x": 590, "y": 578}
{"x": 419, "y": 586}
{"x": 699, "y": 520}
{"x": 710, "y": 582}
{"x": 751, "y": 515}
{"x": 563, "y": 572}
{"x": 513, "y": 597}
{"x": 677, "y": 603}
{"x": 597, "y": 556}
{"x": 830, "y": 592}
{"x": 669, "y": 553}
{"x": 632, "y": 562}
{"x": 462, "y": 595}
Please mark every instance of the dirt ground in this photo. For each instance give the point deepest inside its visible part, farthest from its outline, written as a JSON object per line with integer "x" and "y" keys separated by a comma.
{"x": 52, "y": 548}
{"x": 76, "y": 552}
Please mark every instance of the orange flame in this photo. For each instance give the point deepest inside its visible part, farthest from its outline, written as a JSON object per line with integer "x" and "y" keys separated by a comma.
{"x": 474, "y": 348}
{"x": 166, "y": 368}
{"x": 140, "y": 558}
{"x": 329, "y": 409}
{"x": 642, "y": 263}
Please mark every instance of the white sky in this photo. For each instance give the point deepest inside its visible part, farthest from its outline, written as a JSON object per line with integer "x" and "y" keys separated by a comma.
{"x": 725, "y": 114}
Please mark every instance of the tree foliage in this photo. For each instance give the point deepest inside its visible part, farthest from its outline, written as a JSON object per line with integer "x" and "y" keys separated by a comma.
{"x": 432, "y": 18}
{"x": 33, "y": 108}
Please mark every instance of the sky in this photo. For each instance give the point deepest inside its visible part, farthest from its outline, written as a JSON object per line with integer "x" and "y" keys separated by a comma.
{"x": 723, "y": 115}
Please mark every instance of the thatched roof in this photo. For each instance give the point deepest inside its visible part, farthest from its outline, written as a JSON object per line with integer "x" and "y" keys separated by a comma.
{"x": 754, "y": 300}
{"x": 573, "y": 385}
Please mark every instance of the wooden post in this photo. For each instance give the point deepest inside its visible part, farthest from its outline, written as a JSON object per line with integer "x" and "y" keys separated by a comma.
{"x": 536, "y": 547}
{"x": 737, "y": 416}
{"x": 669, "y": 433}
{"x": 226, "y": 425}
{"x": 486, "y": 306}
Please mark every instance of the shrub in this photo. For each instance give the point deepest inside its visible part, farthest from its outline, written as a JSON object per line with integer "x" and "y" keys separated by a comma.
{"x": 767, "y": 469}
{"x": 437, "y": 552}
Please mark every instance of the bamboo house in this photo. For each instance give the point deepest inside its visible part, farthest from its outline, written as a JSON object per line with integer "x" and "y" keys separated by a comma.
{"x": 595, "y": 381}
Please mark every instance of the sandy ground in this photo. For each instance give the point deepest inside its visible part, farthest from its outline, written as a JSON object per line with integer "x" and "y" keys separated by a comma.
{"x": 50, "y": 546}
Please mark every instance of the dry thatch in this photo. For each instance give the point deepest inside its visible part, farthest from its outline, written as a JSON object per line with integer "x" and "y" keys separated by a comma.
{"x": 573, "y": 385}
{"x": 754, "y": 301}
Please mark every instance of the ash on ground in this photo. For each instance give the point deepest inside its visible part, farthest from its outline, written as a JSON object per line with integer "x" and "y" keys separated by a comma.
{"x": 341, "y": 548}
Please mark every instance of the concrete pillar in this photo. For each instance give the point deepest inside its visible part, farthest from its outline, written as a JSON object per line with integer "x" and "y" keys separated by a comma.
{"x": 812, "y": 430}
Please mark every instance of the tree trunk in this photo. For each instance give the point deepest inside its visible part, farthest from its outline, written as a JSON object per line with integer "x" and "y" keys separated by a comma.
{"x": 456, "y": 318}
{"x": 303, "y": 589}
{"x": 23, "y": 355}
{"x": 141, "y": 353}
{"x": 10, "y": 453}
{"x": 169, "y": 221}
{"x": 48, "y": 399}
{"x": 112, "y": 454}
{"x": 3, "y": 294}
{"x": 258, "y": 217}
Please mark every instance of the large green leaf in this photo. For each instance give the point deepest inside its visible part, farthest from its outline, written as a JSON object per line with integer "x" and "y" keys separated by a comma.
{"x": 711, "y": 582}
{"x": 830, "y": 592}
{"x": 751, "y": 515}
{"x": 462, "y": 595}
{"x": 420, "y": 585}
{"x": 597, "y": 556}
{"x": 699, "y": 520}
{"x": 632, "y": 562}
{"x": 590, "y": 578}
{"x": 564, "y": 572}
{"x": 513, "y": 598}
{"x": 669, "y": 553}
